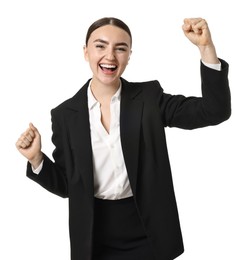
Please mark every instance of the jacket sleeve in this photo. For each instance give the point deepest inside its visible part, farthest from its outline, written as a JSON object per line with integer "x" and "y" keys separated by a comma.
{"x": 212, "y": 108}
{"x": 52, "y": 175}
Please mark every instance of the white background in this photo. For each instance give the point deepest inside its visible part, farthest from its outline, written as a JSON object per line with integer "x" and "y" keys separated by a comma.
{"x": 41, "y": 64}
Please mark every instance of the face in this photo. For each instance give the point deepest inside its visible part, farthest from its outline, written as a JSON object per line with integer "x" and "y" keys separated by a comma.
{"x": 108, "y": 51}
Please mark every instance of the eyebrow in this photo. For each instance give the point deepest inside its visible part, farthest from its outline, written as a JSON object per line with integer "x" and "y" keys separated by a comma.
{"x": 106, "y": 42}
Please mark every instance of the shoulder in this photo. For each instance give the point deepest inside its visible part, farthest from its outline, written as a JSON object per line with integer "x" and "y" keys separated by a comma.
{"x": 75, "y": 102}
{"x": 147, "y": 87}
{"x": 143, "y": 84}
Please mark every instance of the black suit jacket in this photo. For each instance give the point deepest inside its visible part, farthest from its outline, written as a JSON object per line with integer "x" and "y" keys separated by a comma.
{"x": 145, "y": 112}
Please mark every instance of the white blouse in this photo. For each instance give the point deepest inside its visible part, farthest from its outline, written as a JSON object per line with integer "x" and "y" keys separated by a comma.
{"x": 109, "y": 170}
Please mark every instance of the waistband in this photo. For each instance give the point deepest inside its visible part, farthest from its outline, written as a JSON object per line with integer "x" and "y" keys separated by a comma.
{"x": 113, "y": 202}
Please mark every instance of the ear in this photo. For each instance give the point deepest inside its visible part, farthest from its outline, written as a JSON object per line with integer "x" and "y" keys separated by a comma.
{"x": 85, "y": 49}
{"x": 129, "y": 56}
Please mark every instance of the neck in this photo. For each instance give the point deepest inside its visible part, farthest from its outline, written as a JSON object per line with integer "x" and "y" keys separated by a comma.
{"x": 104, "y": 92}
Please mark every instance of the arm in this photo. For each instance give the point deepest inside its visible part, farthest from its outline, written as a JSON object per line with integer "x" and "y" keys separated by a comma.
{"x": 214, "y": 106}
{"x": 51, "y": 176}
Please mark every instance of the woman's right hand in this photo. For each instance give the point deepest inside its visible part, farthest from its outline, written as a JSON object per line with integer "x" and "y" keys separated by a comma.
{"x": 29, "y": 145}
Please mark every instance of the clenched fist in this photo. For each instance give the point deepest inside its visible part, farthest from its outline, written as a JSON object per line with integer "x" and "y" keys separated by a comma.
{"x": 197, "y": 31}
{"x": 29, "y": 145}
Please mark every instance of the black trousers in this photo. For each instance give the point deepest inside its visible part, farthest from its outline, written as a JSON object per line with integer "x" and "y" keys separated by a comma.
{"x": 118, "y": 232}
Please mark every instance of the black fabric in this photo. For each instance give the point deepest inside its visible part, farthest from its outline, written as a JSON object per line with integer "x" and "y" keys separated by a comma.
{"x": 118, "y": 231}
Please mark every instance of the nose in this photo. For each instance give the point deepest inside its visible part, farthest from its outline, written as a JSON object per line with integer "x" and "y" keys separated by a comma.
{"x": 110, "y": 54}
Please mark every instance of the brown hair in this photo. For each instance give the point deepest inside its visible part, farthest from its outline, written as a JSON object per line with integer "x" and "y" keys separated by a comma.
{"x": 106, "y": 21}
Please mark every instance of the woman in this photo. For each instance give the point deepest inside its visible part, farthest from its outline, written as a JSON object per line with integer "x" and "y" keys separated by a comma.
{"x": 110, "y": 156}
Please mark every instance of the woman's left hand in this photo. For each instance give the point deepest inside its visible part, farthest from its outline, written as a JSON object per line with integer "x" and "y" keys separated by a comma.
{"x": 197, "y": 31}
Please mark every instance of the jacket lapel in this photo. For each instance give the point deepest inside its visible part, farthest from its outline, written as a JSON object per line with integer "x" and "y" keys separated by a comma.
{"x": 79, "y": 126}
{"x": 130, "y": 123}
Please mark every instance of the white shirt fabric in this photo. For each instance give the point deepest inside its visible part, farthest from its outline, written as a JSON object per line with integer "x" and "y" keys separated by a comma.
{"x": 109, "y": 170}
{"x": 212, "y": 66}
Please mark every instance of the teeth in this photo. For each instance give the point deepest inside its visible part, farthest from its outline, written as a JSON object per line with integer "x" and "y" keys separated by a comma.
{"x": 108, "y": 66}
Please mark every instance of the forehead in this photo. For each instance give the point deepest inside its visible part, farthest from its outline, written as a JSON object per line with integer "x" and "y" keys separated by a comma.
{"x": 111, "y": 34}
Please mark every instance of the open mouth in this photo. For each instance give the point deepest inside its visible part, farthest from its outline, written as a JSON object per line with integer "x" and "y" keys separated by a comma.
{"x": 108, "y": 67}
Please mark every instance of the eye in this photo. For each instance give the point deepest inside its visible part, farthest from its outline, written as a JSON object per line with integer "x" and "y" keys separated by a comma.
{"x": 122, "y": 49}
{"x": 100, "y": 46}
